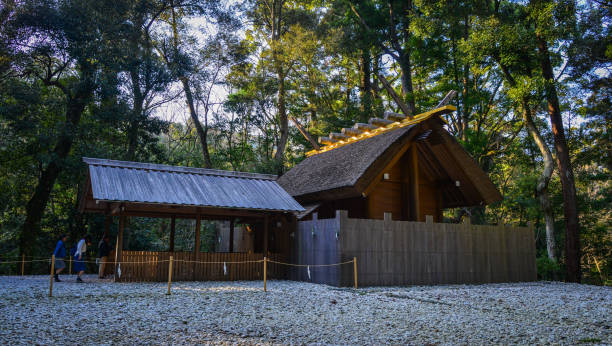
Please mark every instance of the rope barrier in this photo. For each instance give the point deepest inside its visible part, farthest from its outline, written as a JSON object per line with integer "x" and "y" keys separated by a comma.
{"x": 170, "y": 261}
{"x": 219, "y": 262}
{"x": 30, "y": 261}
{"x": 311, "y": 265}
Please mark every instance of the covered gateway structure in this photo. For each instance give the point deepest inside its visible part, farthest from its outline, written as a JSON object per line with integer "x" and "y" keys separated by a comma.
{"x": 133, "y": 189}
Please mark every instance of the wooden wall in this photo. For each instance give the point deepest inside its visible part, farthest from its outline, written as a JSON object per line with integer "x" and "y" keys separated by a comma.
{"x": 418, "y": 253}
{"x": 184, "y": 268}
{"x": 395, "y": 195}
{"x": 314, "y": 242}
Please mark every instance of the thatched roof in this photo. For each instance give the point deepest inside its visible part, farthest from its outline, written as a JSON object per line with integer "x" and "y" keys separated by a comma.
{"x": 347, "y": 171}
{"x": 339, "y": 168}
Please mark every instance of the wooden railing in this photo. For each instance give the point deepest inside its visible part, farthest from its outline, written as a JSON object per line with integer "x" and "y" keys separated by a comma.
{"x": 189, "y": 266}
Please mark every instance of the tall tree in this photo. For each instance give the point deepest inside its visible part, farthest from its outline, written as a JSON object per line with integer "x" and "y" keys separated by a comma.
{"x": 65, "y": 47}
{"x": 551, "y": 20}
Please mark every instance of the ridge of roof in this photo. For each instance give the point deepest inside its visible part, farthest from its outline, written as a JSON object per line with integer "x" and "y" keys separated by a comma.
{"x": 176, "y": 169}
{"x": 408, "y": 121}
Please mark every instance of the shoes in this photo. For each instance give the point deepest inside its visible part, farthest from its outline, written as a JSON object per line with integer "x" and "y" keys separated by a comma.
{"x": 57, "y": 278}
{"x": 79, "y": 279}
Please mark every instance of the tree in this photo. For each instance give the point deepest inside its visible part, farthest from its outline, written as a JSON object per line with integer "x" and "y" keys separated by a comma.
{"x": 551, "y": 21}
{"x": 63, "y": 46}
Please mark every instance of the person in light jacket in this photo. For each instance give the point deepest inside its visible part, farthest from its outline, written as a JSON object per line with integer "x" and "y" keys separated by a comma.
{"x": 60, "y": 254}
{"x": 79, "y": 256}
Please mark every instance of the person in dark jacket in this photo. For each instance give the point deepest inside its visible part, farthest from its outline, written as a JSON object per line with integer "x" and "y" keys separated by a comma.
{"x": 60, "y": 254}
{"x": 104, "y": 250}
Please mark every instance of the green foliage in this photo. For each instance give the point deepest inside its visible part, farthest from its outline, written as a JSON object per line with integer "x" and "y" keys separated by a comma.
{"x": 548, "y": 269}
{"x": 323, "y": 53}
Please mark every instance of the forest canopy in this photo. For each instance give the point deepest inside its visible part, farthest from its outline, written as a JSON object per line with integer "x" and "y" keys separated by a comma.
{"x": 212, "y": 84}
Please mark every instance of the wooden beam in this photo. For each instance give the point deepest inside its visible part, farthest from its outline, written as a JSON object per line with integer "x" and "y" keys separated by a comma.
{"x": 416, "y": 202}
{"x": 231, "y": 235}
{"x": 266, "y": 232}
{"x": 172, "y": 231}
{"x": 364, "y": 127}
{"x": 304, "y": 133}
{"x": 338, "y": 136}
{"x": 119, "y": 245}
{"x": 398, "y": 100}
{"x": 326, "y": 140}
{"x": 394, "y": 116}
{"x": 350, "y": 132}
{"x": 380, "y": 122}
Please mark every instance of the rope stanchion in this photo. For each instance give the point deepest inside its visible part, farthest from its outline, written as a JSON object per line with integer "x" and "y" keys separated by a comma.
{"x": 169, "y": 275}
{"x": 69, "y": 265}
{"x": 22, "y": 264}
{"x": 265, "y": 270}
{"x": 355, "y": 270}
{"x": 51, "y": 277}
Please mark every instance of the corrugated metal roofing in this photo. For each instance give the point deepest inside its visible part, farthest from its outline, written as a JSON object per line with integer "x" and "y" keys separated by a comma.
{"x": 151, "y": 183}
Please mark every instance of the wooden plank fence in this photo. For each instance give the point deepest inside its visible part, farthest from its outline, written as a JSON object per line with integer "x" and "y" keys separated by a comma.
{"x": 139, "y": 266}
{"x": 414, "y": 253}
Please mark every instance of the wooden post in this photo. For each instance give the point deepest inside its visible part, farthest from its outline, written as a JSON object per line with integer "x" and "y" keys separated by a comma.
{"x": 196, "y": 249}
{"x": 69, "y": 265}
{"x": 231, "y": 236}
{"x": 119, "y": 244}
{"x": 265, "y": 240}
{"x": 22, "y": 264}
{"x": 414, "y": 175}
{"x": 169, "y": 275}
{"x": 51, "y": 277}
{"x": 172, "y": 226}
{"x": 355, "y": 270}
{"x": 265, "y": 262}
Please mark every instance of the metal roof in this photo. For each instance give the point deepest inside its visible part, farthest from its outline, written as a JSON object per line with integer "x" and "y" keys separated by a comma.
{"x": 123, "y": 181}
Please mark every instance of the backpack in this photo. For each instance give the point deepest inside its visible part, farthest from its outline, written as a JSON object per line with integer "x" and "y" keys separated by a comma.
{"x": 73, "y": 250}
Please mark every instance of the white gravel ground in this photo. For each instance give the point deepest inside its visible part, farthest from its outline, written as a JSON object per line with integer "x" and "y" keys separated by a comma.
{"x": 102, "y": 312}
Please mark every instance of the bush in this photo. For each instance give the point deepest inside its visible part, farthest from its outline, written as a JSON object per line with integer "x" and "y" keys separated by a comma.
{"x": 548, "y": 269}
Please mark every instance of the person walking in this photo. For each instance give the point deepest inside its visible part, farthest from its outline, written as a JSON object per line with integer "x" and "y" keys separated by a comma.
{"x": 60, "y": 254}
{"x": 104, "y": 250}
{"x": 79, "y": 255}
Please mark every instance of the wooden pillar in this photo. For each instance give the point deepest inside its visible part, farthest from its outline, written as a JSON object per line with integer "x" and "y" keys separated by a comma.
{"x": 172, "y": 227}
{"x": 231, "y": 235}
{"x": 119, "y": 244}
{"x": 196, "y": 248}
{"x": 266, "y": 234}
{"x": 414, "y": 175}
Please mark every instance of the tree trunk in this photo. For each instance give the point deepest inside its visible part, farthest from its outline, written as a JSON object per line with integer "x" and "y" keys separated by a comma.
{"x": 132, "y": 131}
{"x": 365, "y": 86}
{"x": 465, "y": 121}
{"x": 283, "y": 120}
{"x": 36, "y": 205}
{"x": 202, "y": 132}
{"x": 543, "y": 180}
{"x": 572, "y": 235}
